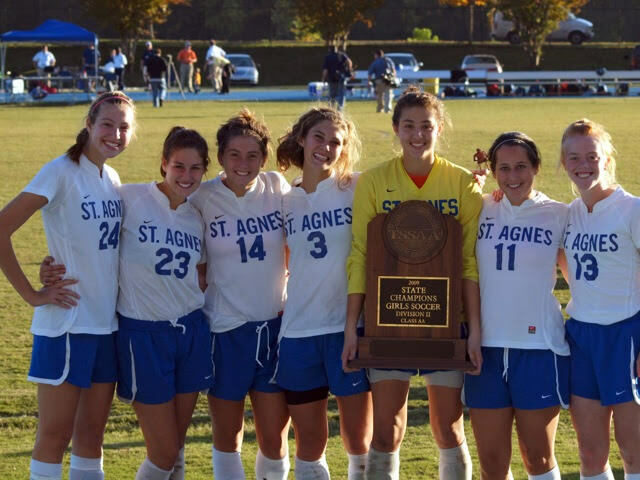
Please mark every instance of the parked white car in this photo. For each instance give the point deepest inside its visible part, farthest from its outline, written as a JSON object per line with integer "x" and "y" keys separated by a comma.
{"x": 481, "y": 62}
{"x": 574, "y": 29}
{"x": 246, "y": 68}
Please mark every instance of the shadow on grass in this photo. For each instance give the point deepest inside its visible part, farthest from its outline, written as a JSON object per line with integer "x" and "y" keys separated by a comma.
{"x": 249, "y": 437}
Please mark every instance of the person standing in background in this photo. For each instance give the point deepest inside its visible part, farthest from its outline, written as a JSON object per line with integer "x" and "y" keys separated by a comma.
{"x": 120, "y": 62}
{"x": 108, "y": 71}
{"x": 214, "y": 62}
{"x": 187, "y": 57}
{"x": 148, "y": 53}
{"x": 227, "y": 71}
{"x": 90, "y": 58}
{"x": 381, "y": 71}
{"x": 155, "y": 69}
{"x": 44, "y": 61}
{"x": 336, "y": 70}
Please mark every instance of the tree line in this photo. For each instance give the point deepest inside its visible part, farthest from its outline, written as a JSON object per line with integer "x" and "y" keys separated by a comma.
{"x": 332, "y": 20}
{"x": 335, "y": 21}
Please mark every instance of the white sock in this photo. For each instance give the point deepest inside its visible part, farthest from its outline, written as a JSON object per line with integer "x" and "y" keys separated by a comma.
{"x": 606, "y": 475}
{"x": 269, "y": 469}
{"x": 149, "y": 471}
{"x": 318, "y": 470}
{"x": 510, "y": 475}
{"x": 178, "y": 467}
{"x": 45, "y": 471}
{"x": 357, "y": 465}
{"x": 383, "y": 465}
{"x": 227, "y": 465}
{"x": 553, "y": 474}
{"x": 455, "y": 463}
{"x": 82, "y": 468}
{"x": 632, "y": 476}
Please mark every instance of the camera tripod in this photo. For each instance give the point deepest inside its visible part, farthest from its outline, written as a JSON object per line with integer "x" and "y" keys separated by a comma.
{"x": 172, "y": 69}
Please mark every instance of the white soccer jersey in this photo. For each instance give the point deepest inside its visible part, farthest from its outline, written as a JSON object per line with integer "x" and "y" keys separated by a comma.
{"x": 82, "y": 224}
{"x": 244, "y": 237}
{"x": 517, "y": 250}
{"x": 604, "y": 263}
{"x": 160, "y": 249}
{"x": 318, "y": 229}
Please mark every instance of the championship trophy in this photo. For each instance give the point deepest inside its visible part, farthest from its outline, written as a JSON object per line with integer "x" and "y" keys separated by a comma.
{"x": 413, "y": 302}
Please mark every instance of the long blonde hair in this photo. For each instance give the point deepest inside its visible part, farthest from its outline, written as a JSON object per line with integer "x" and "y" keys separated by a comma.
{"x": 290, "y": 151}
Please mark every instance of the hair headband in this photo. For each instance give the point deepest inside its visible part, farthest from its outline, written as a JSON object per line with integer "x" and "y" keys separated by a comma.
{"x": 110, "y": 97}
{"x": 517, "y": 141}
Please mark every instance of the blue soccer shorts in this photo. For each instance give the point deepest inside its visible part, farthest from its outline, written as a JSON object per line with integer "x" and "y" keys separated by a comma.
{"x": 245, "y": 359}
{"x": 518, "y": 378}
{"x": 603, "y": 360}
{"x": 159, "y": 359}
{"x": 312, "y": 362}
{"x": 77, "y": 358}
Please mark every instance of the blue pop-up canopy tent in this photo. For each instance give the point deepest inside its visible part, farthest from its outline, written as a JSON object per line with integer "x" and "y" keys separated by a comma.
{"x": 51, "y": 31}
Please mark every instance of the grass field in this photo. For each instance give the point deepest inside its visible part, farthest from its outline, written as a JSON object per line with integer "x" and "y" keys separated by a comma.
{"x": 30, "y": 136}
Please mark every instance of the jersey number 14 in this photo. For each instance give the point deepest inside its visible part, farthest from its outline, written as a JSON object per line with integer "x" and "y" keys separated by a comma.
{"x": 256, "y": 250}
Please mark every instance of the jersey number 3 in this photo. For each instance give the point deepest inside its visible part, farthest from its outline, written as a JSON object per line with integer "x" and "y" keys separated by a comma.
{"x": 319, "y": 244}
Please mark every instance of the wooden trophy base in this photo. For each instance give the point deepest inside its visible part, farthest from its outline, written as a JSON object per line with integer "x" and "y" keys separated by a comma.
{"x": 427, "y": 353}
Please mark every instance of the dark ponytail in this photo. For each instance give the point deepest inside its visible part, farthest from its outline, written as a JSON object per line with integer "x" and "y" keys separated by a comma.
{"x": 76, "y": 149}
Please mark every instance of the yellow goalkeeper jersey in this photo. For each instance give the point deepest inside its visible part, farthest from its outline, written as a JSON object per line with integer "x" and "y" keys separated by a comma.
{"x": 449, "y": 187}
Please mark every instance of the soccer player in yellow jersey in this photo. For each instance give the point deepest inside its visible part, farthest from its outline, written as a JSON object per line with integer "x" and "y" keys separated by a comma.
{"x": 418, "y": 174}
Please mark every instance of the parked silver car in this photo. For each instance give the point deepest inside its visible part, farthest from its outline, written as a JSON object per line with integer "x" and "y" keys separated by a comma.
{"x": 404, "y": 61}
{"x": 574, "y": 29}
{"x": 246, "y": 70}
